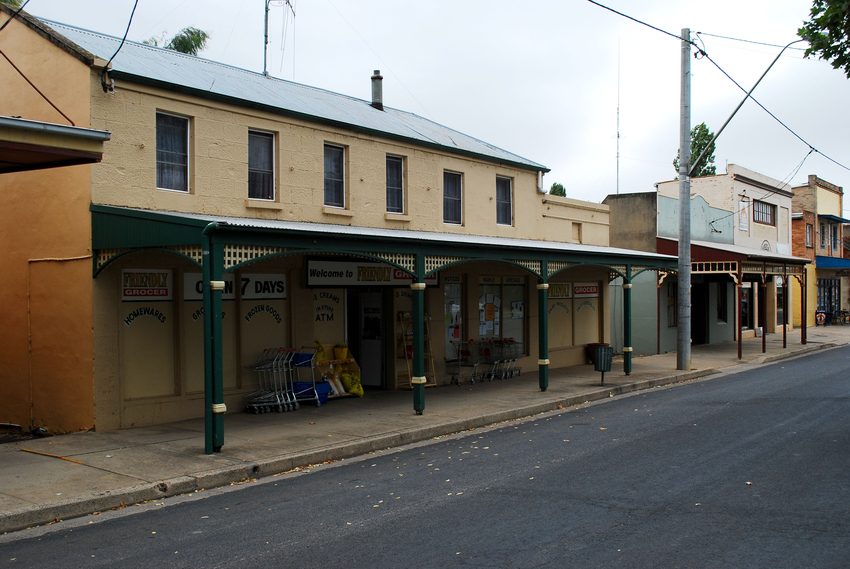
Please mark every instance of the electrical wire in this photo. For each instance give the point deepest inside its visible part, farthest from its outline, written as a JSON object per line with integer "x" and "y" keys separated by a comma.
{"x": 703, "y": 53}
{"x": 382, "y": 61}
{"x": 165, "y": 17}
{"x": 13, "y": 16}
{"x": 636, "y": 20}
{"x": 103, "y": 75}
{"x": 747, "y": 41}
{"x": 232, "y": 28}
{"x": 789, "y": 129}
{"x": 21, "y": 73}
{"x": 43, "y": 96}
{"x": 785, "y": 181}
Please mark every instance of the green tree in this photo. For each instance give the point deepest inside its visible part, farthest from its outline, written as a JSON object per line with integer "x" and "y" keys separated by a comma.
{"x": 557, "y": 190}
{"x": 188, "y": 40}
{"x": 700, "y": 137}
{"x": 827, "y": 33}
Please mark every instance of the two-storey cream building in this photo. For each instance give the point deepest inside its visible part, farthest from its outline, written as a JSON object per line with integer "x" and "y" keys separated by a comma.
{"x": 289, "y": 213}
{"x": 740, "y": 250}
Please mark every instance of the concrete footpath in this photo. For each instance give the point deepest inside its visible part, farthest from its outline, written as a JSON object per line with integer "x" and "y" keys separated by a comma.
{"x": 98, "y": 471}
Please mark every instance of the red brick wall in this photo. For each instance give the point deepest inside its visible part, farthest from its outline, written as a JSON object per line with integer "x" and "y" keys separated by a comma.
{"x": 798, "y": 236}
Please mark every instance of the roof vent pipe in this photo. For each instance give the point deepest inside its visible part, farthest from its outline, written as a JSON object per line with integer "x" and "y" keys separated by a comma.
{"x": 377, "y": 91}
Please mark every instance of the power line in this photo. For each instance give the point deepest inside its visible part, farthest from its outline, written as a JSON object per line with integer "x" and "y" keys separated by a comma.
{"x": 747, "y": 41}
{"x": 103, "y": 75}
{"x": 636, "y": 20}
{"x": 13, "y": 16}
{"x": 379, "y": 57}
{"x": 789, "y": 177}
{"x": 704, "y": 54}
{"x": 789, "y": 129}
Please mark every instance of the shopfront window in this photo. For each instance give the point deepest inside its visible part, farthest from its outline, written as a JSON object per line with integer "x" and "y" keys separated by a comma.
{"x": 501, "y": 308}
{"x": 829, "y": 295}
{"x": 747, "y": 308}
{"x": 453, "y": 313}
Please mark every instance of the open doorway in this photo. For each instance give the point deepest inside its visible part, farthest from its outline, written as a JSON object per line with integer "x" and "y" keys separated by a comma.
{"x": 699, "y": 313}
{"x": 367, "y": 334}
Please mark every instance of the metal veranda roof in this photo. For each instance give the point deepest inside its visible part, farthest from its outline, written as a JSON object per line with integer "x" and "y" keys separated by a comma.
{"x": 120, "y": 227}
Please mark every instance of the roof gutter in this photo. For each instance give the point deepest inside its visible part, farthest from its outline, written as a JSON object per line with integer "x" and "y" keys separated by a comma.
{"x": 52, "y": 128}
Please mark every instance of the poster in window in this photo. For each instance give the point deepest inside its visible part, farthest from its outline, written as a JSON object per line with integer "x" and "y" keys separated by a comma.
{"x": 743, "y": 216}
{"x": 517, "y": 309}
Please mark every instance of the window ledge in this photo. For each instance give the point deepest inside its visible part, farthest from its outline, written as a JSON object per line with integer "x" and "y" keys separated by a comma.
{"x": 398, "y": 217}
{"x": 328, "y": 210}
{"x": 263, "y": 204}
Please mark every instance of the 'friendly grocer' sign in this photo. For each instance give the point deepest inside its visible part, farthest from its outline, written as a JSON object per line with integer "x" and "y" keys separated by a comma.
{"x": 144, "y": 285}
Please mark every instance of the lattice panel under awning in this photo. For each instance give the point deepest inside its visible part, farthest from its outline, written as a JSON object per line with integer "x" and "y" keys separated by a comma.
{"x": 106, "y": 255}
{"x": 194, "y": 252}
{"x": 405, "y": 260}
{"x": 637, "y": 269}
{"x": 618, "y": 268}
{"x": 556, "y": 266}
{"x": 238, "y": 254}
{"x": 533, "y": 266}
{"x": 718, "y": 267}
{"x": 434, "y": 262}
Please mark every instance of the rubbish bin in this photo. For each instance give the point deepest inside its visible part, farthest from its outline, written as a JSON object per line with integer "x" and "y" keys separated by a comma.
{"x": 591, "y": 350}
{"x": 602, "y": 356}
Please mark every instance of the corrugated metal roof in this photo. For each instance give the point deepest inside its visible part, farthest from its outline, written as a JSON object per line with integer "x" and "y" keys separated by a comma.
{"x": 407, "y": 234}
{"x": 203, "y": 76}
{"x": 748, "y": 251}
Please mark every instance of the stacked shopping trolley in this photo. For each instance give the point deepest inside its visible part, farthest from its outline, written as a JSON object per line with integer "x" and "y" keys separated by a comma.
{"x": 286, "y": 377}
{"x": 485, "y": 359}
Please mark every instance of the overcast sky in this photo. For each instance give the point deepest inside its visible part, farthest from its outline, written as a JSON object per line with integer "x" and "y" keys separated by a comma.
{"x": 540, "y": 78}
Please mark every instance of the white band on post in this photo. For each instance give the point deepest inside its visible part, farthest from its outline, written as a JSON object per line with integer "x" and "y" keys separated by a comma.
{"x": 543, "y": 286}
{"x": 627, "y": 285}
{"x": 418, "y": 380}
{"x": 627, "y": 349}
{"x": 543, "y": 362}
{"x": 417, "y": 286}
{"x": 219, "y": 408}
{"x": 216, "y": 285}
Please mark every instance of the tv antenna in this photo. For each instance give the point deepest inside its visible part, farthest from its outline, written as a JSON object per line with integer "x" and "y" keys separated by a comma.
{"x": 266, "y": 36}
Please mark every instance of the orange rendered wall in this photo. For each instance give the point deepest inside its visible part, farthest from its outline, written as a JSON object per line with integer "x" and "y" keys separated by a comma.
{"x": 44, "y": 215}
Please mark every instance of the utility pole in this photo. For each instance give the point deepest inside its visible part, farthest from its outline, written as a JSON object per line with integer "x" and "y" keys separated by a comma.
{"x": 683, "y": 337}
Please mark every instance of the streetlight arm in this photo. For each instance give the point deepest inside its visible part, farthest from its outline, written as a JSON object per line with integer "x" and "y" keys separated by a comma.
{"x": 705, "y": 150}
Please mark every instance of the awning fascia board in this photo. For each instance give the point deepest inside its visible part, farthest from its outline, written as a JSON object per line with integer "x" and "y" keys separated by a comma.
{"x": 121, "y": 228}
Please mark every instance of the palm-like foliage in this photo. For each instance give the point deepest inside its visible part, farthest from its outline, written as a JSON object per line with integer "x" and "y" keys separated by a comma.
{"x": 188, "y": 40}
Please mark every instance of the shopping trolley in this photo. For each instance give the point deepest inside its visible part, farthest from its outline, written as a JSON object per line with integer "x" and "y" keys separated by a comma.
{"x": 466, "y": 358}
{"x": 512, "y": 352}
{"x": 272, "y": 394}
{"x": 304, "y": 388}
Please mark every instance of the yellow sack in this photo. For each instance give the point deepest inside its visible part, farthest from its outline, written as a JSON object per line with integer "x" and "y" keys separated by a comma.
{"x": 351, "y": 383}
{"x": 346, "y": 380}
{"x": 320, "y": 351}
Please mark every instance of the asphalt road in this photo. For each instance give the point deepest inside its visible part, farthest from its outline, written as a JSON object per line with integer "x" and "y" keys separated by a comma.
{"x": 746, "y": 470}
